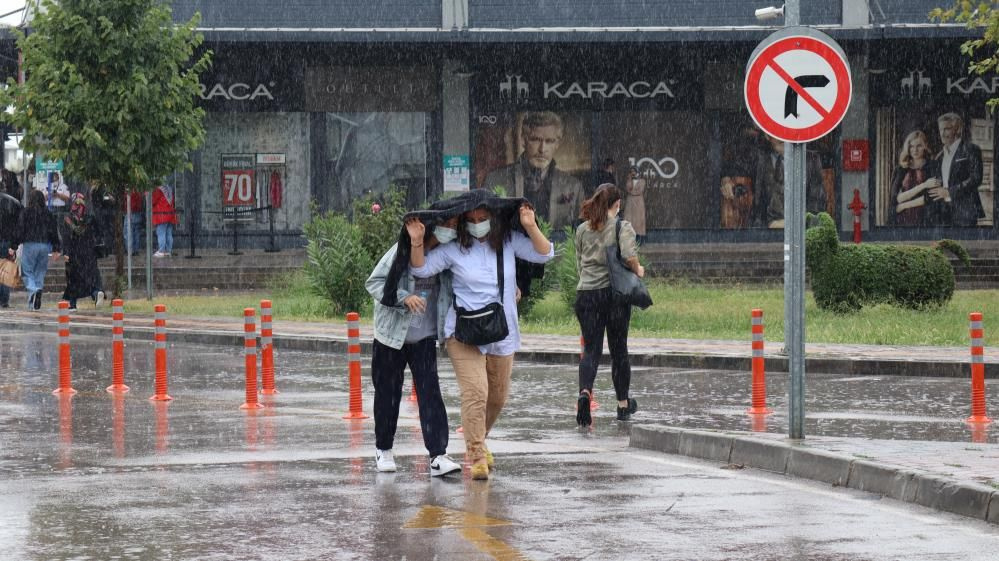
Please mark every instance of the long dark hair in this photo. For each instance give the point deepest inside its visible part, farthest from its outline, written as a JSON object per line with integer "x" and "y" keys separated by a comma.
{"x": 595, "y": 208}
{"x": 497, "y": 231}
{"x": 36, "y": 199}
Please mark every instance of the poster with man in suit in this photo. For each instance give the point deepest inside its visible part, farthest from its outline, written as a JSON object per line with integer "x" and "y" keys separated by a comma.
{"x": 535, "y": 174}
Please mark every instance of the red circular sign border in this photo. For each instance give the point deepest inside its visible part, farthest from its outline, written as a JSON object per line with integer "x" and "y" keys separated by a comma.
{"x": 843, "y": 83}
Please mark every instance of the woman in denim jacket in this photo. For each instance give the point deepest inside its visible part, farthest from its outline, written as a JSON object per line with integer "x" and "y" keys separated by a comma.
{"x": 407, "y": 333}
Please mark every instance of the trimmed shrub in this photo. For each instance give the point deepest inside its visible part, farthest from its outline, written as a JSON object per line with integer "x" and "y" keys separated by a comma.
{"x": 845, "y": 277}
{"x": 565, "y": 267}
{"x": 338, "y": 262}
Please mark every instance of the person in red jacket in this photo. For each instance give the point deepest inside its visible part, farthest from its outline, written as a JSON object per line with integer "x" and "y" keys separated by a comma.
{"x": 164, "y": 218}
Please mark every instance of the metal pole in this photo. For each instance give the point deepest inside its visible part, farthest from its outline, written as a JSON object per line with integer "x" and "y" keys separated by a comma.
{"x": 794, "y": 265}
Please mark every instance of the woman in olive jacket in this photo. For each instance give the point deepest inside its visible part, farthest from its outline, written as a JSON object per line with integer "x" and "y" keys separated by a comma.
{"x": 596, "y": 309}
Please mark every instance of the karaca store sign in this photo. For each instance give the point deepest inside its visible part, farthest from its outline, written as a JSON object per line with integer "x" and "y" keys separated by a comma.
{"x": 516, "y": 88}
{"x": 236, "y": 92}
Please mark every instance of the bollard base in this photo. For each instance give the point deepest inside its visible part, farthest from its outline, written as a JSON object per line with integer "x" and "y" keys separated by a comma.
{"x": 978, "y": 420}
{"x": 269, "y": 392}
{"x": 160, "y": 397}
{"x": 64, "y": 391}
{"x": 355, "y": 416}
{"x": 118, "y": 388}
{"x": 759, "y": 411}
{"x": 252, "y": 406}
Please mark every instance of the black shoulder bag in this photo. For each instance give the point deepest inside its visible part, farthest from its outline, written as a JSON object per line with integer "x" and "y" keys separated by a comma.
{"x": 485, "y": 325}
{"x": 626, "y": 287}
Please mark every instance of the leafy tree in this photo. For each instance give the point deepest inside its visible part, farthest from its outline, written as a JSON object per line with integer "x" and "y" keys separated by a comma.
{"x": 111, "y": 90}
{"x": 983, "y": 51}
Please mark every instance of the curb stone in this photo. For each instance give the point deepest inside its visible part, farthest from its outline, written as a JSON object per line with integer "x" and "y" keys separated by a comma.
{"x": 819, "y": 465}
{"x": 796, "y": 459}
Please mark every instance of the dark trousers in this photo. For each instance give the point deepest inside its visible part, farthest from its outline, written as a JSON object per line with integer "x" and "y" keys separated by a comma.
{"x": 4, "y": 289}
{"x": 597, "y": 313}
{"x": 387, "y": 367}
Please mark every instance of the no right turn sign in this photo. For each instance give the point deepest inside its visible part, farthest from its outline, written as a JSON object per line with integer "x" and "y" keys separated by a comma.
{"x": 798, "y": 84}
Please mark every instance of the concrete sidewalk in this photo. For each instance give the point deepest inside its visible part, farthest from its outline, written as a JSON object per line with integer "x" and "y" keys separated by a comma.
{"x": 956, "y": 477}
{"x": 875, "y": 360}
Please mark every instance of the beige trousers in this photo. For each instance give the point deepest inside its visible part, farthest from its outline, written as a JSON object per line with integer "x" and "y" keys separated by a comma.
{"x": 484, "y": 381}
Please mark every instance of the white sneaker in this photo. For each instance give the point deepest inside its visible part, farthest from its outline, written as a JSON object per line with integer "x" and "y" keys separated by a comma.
{"x": 443, "y": 465}
{"x": 384, "y": 460}
{"x": 159, "y": 254}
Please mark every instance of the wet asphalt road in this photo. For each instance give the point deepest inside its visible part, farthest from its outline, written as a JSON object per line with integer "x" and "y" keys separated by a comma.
{"x": 99, "y": 477}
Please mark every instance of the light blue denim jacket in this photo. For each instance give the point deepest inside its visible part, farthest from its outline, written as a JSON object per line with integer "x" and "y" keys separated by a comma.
{"x": 392, "y": 323}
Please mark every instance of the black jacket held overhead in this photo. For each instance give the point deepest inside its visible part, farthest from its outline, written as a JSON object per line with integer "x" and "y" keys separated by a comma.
{"x": 505, "y": 214}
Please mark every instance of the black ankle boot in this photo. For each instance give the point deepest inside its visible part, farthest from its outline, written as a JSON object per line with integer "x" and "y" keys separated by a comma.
{"x": 624, "y": 413}
{"x": 583, "y": 418}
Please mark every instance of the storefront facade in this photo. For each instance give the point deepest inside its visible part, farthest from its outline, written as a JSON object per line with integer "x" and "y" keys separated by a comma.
{"x": 317, "y": 108}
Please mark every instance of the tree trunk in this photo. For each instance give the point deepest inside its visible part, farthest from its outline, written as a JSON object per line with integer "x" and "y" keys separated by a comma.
{"x": 119, "y": 247}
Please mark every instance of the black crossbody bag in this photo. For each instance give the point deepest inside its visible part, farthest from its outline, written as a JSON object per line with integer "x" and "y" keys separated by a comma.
{"x": 485, "y": 325}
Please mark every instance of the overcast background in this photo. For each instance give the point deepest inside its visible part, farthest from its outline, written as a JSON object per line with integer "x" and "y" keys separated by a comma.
{"x": 9, "y": 5}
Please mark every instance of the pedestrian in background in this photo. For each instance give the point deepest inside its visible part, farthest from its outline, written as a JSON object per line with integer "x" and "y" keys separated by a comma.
{"x": 164, "y": 219}
{"x": 132, "y": 206}
{"x": 595, "y": 307}
{"x": 407, "y": 334}
{"x": 10, "y": 210}
{"x": 38, "y": 235}
{"x": 79, "y": 238}
{"x": 485, "y": 236}
{"x": 102, "y": 205}
{"x": 56, "y": 192}
{"x": 10, "y": 185}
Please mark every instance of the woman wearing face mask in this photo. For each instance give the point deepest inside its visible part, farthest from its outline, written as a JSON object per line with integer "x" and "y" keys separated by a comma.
{"x": 595, "y": 309}
{"x": 483, "y": 371}
{"x": 407, "y": 333}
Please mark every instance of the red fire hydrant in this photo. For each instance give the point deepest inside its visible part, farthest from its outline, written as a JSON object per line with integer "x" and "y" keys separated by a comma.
{"x": 857, "y": 207}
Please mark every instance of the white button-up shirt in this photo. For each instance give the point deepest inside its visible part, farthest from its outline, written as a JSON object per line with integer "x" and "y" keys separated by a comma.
{"x": 948, "y": 159}
{"x": 475, "y": 282}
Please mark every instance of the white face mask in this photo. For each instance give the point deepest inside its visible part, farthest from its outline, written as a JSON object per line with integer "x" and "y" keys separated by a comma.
{"x": 445, "y": 234}
{"x": 479, "y": 230}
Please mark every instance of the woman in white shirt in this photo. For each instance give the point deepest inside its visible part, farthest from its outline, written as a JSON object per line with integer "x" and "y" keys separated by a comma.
{"x": 483, "y": 371}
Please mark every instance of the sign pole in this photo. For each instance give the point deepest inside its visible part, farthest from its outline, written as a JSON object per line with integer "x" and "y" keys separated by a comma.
{"x": 794, "y": 264}
{"x": 797, "y": 89}
{"x": 794, "y": 283}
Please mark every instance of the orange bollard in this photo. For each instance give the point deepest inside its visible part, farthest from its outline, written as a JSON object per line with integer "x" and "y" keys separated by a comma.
{"x": 266, "y": 349}
{"x": 759, "y": 405}
{"x": 977, "y": 370}
{"x": 412, "y": 393}
{"x": 354, "y": 366}
{"x": 117, "y": 347}
{"x": 250, "y": 353}
{"x": 65, "y": 363}
{"x": 161, "y": 354}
